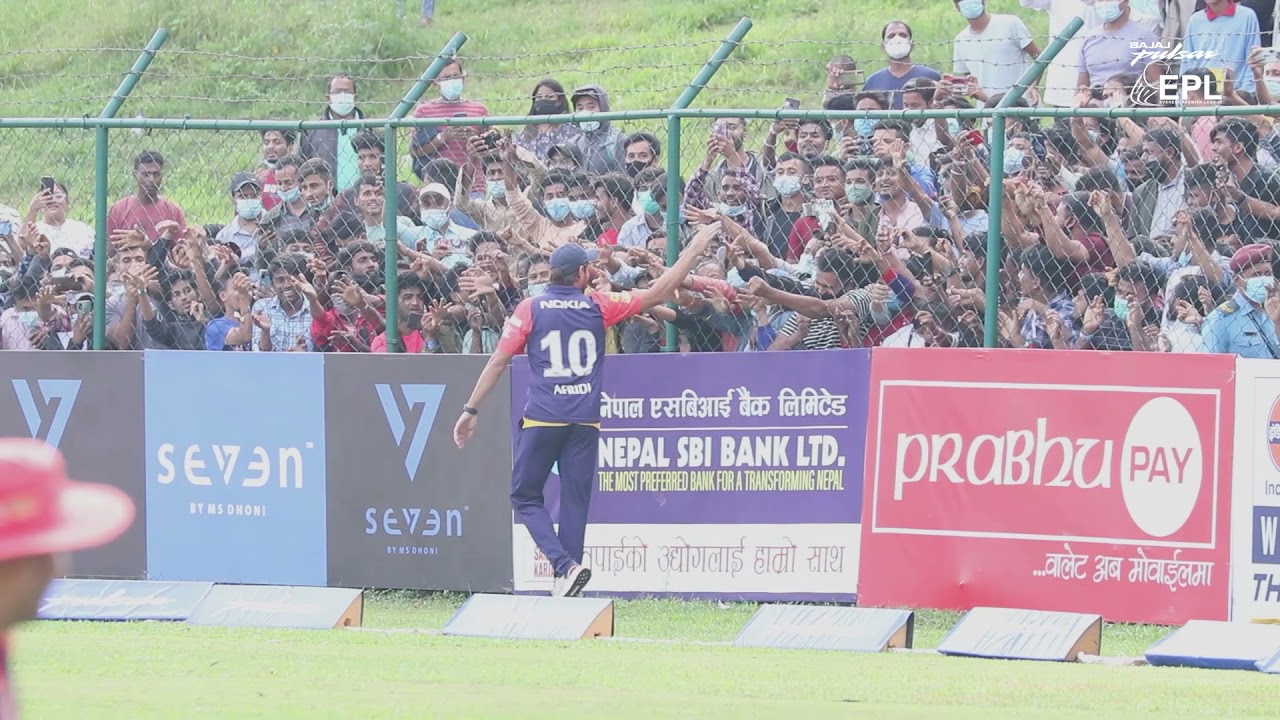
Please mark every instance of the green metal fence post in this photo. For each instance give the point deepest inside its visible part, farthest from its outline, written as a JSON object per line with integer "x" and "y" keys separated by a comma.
{"x": 447, "y": 53}
{"x": 100, "y": 169}
{"x": 686, "y": 99}
{"x": 995, "y": 199}
{"x": 389, "y": 215}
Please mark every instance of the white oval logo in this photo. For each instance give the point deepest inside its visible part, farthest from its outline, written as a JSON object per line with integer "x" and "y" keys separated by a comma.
{"x": 1161, "y": 467}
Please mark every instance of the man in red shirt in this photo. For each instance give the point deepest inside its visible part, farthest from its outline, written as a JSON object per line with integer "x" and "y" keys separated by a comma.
{"x": 563, "y": 332}
{"x": 448, "y": 142}
{"x": 146, "y": 209}
{"x": 42, "y": 515}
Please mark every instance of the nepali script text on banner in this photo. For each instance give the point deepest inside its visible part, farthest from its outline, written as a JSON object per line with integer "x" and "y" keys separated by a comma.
{"x": 1080, "y": 481}
{"x": 730, "y": 476}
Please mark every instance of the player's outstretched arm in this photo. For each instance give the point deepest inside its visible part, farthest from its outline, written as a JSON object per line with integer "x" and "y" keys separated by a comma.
{"x": 489, "y": 377}
{"x": 664, "y": 288}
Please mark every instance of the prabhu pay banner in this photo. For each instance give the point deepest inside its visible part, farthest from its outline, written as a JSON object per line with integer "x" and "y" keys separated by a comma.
{"x": 728, "y": 476}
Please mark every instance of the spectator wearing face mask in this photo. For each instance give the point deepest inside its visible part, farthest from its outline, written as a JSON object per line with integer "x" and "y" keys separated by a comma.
{"x": 437, "y": 225}
{"x": 556, "y": 225}
{"x": 650, "y": 207}
{"x": 333, "y": 146}
{"x": 492, "y": 212}
{"x": 896, "y": 41}
{"x": 243, "y": 230}
{"x": 741, "y": 192}
{"x": 603, "y": 146}
{"x": 294, "y": 212}
{"x": 642, "y": 151}
{"x": 1111, "y": 48}
{"x": 449, "y": 142}
{"x": 548, "y": 99}
{"x": 995, "y": 50}
{"x": 1245, "y": 324}
{"x": 32, "y": 319}
{"x": 791, "y": 177}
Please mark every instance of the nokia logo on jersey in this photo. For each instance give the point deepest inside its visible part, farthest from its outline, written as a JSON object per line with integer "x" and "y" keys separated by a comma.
{"x": 579, "y": 389}
{"x": 564, "y": 305}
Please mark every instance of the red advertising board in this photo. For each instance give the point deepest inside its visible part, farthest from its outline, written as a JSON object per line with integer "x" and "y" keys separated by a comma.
{"x": 1071, "y": 481}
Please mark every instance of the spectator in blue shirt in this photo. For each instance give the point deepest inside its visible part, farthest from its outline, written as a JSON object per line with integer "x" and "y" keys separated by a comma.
{"x": 1245, "y": 325}
{"x": 1221, "y": 36}
{"x": 897, "y": 44}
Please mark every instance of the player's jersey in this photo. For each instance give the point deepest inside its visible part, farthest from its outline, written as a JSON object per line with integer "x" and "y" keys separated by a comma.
{"x": 563, "y": 333}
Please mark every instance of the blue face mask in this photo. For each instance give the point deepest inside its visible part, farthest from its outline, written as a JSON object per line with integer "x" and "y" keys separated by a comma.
{"x": 953, "y": 127}
{"x": 536, "y": 289}
{"x": 583, "y": 209}
{"x": 589, "y": 126}
{"x": 857, "y": 193}
{"x": 1013, "y": 159}
{"x": 787, "y": 185}
{"x": 865, "y": 127}
{"x": 1108, "y": 10}
{"x": 496, "y": 188}
{"x": 435, "y": 219}
{"x": 645, "y": 204}
{"x": 1256, "y": 288}
{"x": 249, "y": 209}
{"x": 557, "y": 209}
{"x": 971, "y": 9}
{"x": 290, "y": 196}
{"x": 451, "y": 89}
{"x": 731, "y": 210}
{"x": 1121, "y": 306}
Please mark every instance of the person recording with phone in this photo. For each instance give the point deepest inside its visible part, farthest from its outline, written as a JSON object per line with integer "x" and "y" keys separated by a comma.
{"x": 48, "y": 210}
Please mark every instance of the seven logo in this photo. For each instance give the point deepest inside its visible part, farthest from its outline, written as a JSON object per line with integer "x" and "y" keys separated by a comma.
{"x": 46, "y": 406}
{"x": 411, "y": 411}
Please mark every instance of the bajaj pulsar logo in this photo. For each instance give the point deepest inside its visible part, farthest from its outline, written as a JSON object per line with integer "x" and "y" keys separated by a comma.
{"x": 411, "y": 411}
{"x": 46, "y": 406}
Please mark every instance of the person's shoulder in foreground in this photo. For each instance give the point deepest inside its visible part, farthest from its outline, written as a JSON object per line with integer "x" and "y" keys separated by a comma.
{"x": 43, "y": 513}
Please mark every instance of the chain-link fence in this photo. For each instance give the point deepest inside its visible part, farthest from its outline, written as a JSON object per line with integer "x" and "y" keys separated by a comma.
{"x": 871, "y": 221}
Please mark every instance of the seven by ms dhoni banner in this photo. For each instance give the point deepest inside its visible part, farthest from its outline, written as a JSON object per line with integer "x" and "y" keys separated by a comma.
{"x": 727, "y": 475}
{"x": 1255, "y": 546}
{"x": 1073, "y": 481}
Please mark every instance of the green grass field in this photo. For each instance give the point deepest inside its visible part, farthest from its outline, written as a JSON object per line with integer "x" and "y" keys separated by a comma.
{"x": 256, "y": 60}
{"x": 90, "y": 671}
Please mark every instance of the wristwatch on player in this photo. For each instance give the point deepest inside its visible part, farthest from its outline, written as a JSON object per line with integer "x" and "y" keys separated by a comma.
{"x": 470, "y": 410}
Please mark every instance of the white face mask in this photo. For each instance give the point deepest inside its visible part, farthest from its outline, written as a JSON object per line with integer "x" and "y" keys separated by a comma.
{"x": 897, "y": 47}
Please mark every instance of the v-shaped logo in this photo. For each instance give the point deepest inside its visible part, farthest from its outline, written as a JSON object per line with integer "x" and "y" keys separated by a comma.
{"x": 411, "y": 411}
{"x": 46, "y": 406}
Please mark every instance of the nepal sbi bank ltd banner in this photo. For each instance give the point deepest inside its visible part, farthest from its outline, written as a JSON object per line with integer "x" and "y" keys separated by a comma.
{"x": 733, "y": 476}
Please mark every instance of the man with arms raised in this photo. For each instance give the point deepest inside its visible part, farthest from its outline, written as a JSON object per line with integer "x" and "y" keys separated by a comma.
{"x": 563, "y": 330}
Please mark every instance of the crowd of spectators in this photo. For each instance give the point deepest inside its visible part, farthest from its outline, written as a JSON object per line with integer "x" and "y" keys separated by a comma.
{"x": 1155, "y": 234}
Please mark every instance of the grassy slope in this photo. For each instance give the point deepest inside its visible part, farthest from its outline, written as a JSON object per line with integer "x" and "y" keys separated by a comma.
{"x": 93, "y": 671}
{"x": 264, "y": 59}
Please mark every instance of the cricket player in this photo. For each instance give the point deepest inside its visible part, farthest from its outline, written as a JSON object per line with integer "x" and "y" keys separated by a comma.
{"x": 42, "y": 515}
{"x": 563, "y": 331}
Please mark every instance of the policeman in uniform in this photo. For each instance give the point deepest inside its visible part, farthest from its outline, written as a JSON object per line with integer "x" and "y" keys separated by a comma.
{"x": 1243, "y": 325}
{"x": 563, "y": 332}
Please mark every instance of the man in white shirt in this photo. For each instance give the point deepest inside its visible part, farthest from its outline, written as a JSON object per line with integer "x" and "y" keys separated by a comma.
{"x": 994, "y": 49}
{"x": 1060, "y": 78}
{"x": 437, "y": 227}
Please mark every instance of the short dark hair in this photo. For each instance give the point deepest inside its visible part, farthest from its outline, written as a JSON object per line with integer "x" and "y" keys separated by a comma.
{"x": 823, "y": 125}
{"x": 410, "y": 281}
{"x": 788, "y": 156}
{"x": 314, "y": 166}
{"x": 1202, "y": 174}
{"x": 1078, "y": 205}
{"x": 1165, "y": 138}
{"x": 443, "y": 171}
{"x": 1238, "y": 131}
{"x": 885, "y": 30}
{"x": 290, "y": 136}
{"x": 560, "y": 277}
{"x": 292, "y": 161}
{"x": 843, "y": 101}
{"x": 481, "y": 238}
{"x": 148, "y": 157}
{"x": 1098, "y": 179}
{"x": 880, "y": 98}
{"x": 328, "y": 83}
{"x": 345, "y": 255}
{"x": 923, "y": 86}
{"x": 555, "y": 177}
{"x": 617, "y": 186}
{"x": 1140, "y": 274}
{"x": 367, "y": 180}
{"x": 899, "y": 126}
{"x": 368, "y": 140}
{"x": 1050, "y": 270}
{"x": 1095, "y": 284}
{"x": 822, "y": 161}
{"x": 869, "y": 163}
{"x": 644, "y": 137}
{"x": 292, "y": 264}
